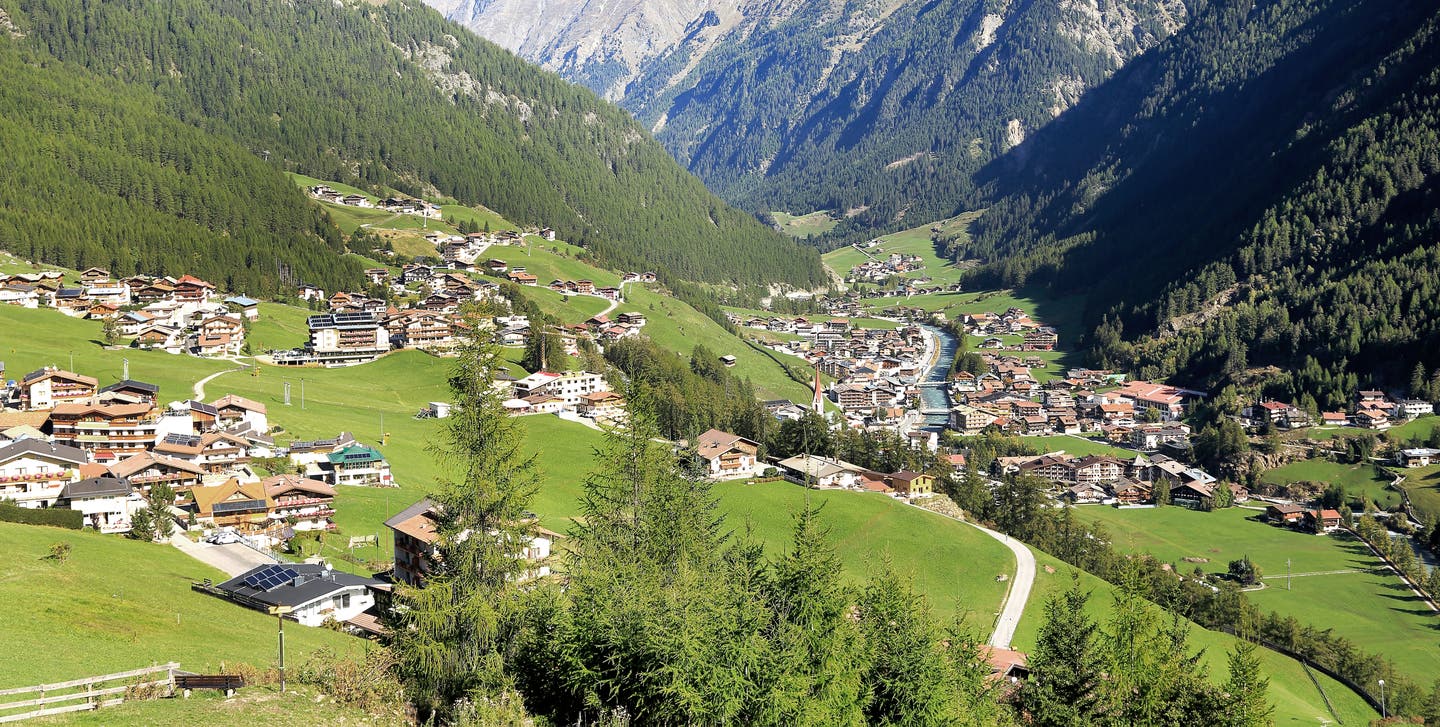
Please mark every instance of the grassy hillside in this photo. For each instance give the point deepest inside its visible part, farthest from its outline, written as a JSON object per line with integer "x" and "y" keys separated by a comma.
{"x": 953, "y": 564}
{"x": 914, "y": 241}
{"x": 1361, "y": 481}
{"x": 1363, "y": 603}
{"x": 97, "y": 612}
{"x": 804, "y": 226}
{"x": 1296, "y": 700}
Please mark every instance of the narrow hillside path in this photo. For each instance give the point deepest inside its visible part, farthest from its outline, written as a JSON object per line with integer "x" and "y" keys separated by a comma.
{"x": 1018, "y": 596}
{"x": 200, "y": 385}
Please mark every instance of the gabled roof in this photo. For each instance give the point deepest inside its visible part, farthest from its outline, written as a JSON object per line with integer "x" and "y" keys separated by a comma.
{"x": 132, "y": 385}
{"x": 285, "y": 484}
{"x": 38, "y": 375}
{"x": 101, "y": 486}
{"x": 41, "y": 448}
{"x": 290, "y": 584}
{"x": 208, "y": 497}
{"x": 417, "y": 521}
{"x": 240, "y": 402}
{"x": 137, "y": 463}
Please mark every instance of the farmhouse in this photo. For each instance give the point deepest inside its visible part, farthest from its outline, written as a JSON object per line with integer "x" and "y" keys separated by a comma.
{"x": 822, "y": 472}
{"x": 727, "y": 455}
{"x": 1421, "y": 457}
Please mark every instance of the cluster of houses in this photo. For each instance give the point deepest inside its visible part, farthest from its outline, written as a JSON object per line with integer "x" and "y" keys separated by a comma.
{"x": 398, "y": 205}
{"x": 1140, "y": 415}
{"x": 68, "y": 443}
{"x": 1301, "y": 517}
{"x": 579, "y": 393}
{"x": 1372, "y": 410}
{"x": 877, "y": 371}
{"x": 992, "y": 327}
{"x": 877, "y": 269}
{"x": 1102, "y": 479}
{"x": 176, "y": 315}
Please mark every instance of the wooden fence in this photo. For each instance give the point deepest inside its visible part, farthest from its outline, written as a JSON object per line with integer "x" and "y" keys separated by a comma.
{"x": 78, "y": 695}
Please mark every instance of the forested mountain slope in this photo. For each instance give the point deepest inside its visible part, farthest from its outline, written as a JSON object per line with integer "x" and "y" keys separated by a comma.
{"x": 1259, "y": 190}
{"x": 393, "y": 94}
{"x": 878, "y": 108}
{"x": 93, "y": 175}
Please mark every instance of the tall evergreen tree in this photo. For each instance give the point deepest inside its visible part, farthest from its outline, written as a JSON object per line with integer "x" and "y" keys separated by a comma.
{"x": 1066, "y": 664}
{"x": 1246, "y": 690}
{"x": 452, "y": 633}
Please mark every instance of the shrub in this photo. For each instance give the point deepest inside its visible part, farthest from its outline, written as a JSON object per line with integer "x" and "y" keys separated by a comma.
{"x": 54, "y": 517}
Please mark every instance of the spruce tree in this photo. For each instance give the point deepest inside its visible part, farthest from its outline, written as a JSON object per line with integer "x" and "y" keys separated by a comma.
{"x": 1066, "y": 664}
{"x": 906, "y": 678}
{"x": 820, "y": 650}
{"x": 451, "y": 634}
{"x": 1247, "y": 704}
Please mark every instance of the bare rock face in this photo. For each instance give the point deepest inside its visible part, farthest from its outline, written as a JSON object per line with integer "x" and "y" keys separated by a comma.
{"x": 600, "y": 43}
{"x": 763, "y": 97}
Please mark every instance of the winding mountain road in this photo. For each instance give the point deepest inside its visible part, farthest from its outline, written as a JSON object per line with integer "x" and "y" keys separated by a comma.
{"x": 1020, "y": 585}
{"x": 1019, "y": 594}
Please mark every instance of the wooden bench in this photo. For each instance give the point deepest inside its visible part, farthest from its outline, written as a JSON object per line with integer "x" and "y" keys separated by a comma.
{"x": 227, "y": 682}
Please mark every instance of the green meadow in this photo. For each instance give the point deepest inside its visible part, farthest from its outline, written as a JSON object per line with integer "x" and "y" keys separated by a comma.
{"x": 803, "y": 226}
{"x": 914, "y": 241}
{"x": 1362, "y": 482}
{"x": 1364, "y": 603}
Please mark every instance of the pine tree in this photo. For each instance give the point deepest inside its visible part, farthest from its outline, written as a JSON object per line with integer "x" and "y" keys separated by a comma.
{"x": 1418, "y": 387}
{"x": 1066, "y": 664}
{"x": 1246, "y": 689}
{"x": 819, "y": 647}
{"x": 906, "y": 678}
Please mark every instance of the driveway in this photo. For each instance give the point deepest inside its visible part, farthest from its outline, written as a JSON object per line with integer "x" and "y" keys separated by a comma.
{"x": 232, "y": 559}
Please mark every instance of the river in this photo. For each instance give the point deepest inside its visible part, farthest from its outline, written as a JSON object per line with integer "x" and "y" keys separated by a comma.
{"x": 937, "y": 397}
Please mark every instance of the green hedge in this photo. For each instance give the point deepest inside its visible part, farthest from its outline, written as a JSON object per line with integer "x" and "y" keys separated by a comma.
{"x": 56, "y": 517}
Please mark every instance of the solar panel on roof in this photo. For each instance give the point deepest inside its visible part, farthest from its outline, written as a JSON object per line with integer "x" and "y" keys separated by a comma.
{"x": 270, "y": 577}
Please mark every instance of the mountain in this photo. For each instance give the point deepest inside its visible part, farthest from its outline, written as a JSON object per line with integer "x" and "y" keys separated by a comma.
{"x": 602, "y": 45}
{"x": 878, "y": 109}
{"x": 1255, "y": 200}
{"x": 393, "y": 96}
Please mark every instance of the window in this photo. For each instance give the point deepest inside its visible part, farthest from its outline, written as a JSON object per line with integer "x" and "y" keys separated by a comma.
{"x": 343, "y": 601}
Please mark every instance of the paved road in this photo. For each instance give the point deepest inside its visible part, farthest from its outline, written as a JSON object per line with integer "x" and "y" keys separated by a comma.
{"x": 1020, "y": 586}
{"x": 1018, "y": 595}
{"x": 232, "y": 559}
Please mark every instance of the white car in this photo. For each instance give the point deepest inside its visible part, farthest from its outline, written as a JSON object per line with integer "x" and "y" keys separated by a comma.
{"x": 223, "y": 537}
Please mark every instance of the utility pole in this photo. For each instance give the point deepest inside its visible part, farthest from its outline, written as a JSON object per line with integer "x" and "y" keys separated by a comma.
{"x": 125, "y": 364}
{"x": 1287, "y": 574}
{"x": 302, "y": 394}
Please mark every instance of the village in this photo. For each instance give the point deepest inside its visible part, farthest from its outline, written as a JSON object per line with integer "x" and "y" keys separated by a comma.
{"x": 118, "y": 455}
